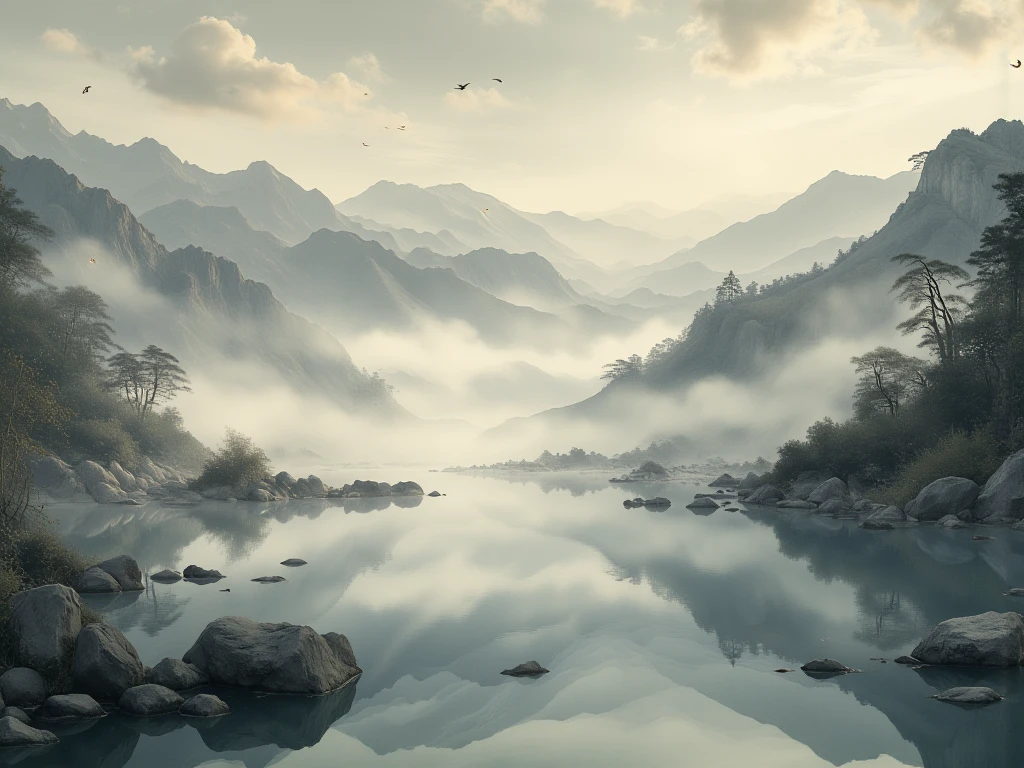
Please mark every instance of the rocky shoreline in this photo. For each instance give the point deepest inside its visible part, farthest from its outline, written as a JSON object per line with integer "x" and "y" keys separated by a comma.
{"x": 58, "y": 482}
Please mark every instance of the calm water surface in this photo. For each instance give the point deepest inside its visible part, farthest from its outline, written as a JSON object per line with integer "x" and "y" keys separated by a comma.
{"x": 661, "y": 631}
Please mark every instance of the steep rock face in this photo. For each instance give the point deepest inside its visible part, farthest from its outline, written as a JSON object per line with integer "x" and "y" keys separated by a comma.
{"x": 205, "y": 293}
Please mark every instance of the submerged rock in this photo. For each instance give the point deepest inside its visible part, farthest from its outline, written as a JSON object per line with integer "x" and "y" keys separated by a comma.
{"x": 294, "y": 562}
{"x": 528, "y": 669}
{"x": 177, "y": 675}
{"x": 149, "y": 700}
{"x": 195, "y": 572}
{"x": 105, "y": 664}
{"x": 826, "y": 667}
{"x": 14, "y": 733}
{"x": 988, "y": 639}
{"x": 703, "y": 503}
{"x": 433, "y": 494}
{"x": 877, "y": 525}
{"x": 22, "y": 687}
{"x": 72, "y": 706}
{"x": 166, "y": 576}
{"x": 833, "y": 507}
{"x": 279, "y": 658}
{"x": 44, "y": 624}
{"x": 268, "y": 579}
{"x": 966, "y": 695}
{"x": 658, "y": 501}
{"x": 1015, "y": 592}
{"x": 204, "y": 705}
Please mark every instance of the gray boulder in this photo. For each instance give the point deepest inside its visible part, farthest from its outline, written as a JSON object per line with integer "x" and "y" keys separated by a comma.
{"x": 833, "y": 507}
{"x": 342, "y": 649}
{"x": 884, "y": 519}
{"x": 177, "y": 675}
{"x": 284, "y": 479}
{"x": 96, "y": 581}
{"x": 269, "y": 579}
{"x": 877, "y": 525}
{"x": 434, "y": 494}
{"x": 14, "y": 733}
{"x": 204, "y": 705}
{"x": 796, "y": 504}
{"x": 104, "y": 493}
{"x": 279, "y": 658}
{"x": 702, "y": 503}
{"x": 807, "y": 482}
{"x": 72, "y": 706}
{"x": 946, "y": 496}
{"x": 406, "y": 488}
{"x": 965, "y": 695}
{"x": 125, "y": 570}
{"x": 989, "y": 639}
{"x": 166, "y": 576}
{"x": 149, "y": 700}
{"x": 17, "y": 713}
{"x": 529, "y": 669}
{"x": 749, "y": 483}
{"x": 105, "y": 664}
{"x": 22, "y": 687}
{"x": 907, "y": 660}
{"x": 259, "y": 494}
{"x": 765, "y": 494}
{"x": 44, "y": 624}
{"x": 149, "y": 468}
{"x": 91, "y": 474}
{"x": 826, "y": 667}
{"x": 316, "y": 486}
{"x": 294, "y": 562}
{"x": 125, "y": 479}
{"x": 724, "y": 481}
{"x": 220, "y": 493}
{"x": 833, "y": 488}
{"x": 954, "y": 523}
{"x": 1005, "y": 485}
{"x": 195, "y": 572}
{"x": 56, "y": 479}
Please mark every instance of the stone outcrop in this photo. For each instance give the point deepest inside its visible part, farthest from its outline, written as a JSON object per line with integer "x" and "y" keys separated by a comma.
{"x": 833, "y": 488}
{"x": 204, "y": 705}
{"x": 14, "y": 733}
{"x": 72, "y": 706}
{"x": 96, "y": 581}
{"x": 724, "y": 481}
{"x": 989, "y": 639}
{"x": 149, "y": 700}
{"x": 528, "y": 669}
{"x": 125, "y": 571}
{"x": 946, "y": 496}
{"x": 279, "y": 658}
{"x": 972, "y": 695}
{"x": 177, "y": 675}
{"x": 22, "y": 687}
{"x": 44, "y": 623}
{"x": 1005, "y": 485}
{"x": 765, "y": 494}
{"x": 105, "y": 664}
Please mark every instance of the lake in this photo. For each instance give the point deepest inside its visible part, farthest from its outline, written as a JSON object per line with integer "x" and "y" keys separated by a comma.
{"x": 662, "y": 630}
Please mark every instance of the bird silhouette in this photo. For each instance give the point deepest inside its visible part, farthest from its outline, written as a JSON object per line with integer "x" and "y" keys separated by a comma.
{"x": 462, "y": 87}
{"x": 401, "y": 127}
{"x": 497, "y": 79}
{"x": 92, "y": 261}
{"x": 1017, "y": 65}
{"x": 86, "y": 89}
{"x": 365, "y": 144}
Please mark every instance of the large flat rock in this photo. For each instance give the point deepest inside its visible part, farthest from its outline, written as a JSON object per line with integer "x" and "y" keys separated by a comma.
{"x": 989, "y": 639}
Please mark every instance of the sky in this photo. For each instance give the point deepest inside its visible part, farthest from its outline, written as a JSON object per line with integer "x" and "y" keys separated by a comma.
{"x": 602, "y": 101}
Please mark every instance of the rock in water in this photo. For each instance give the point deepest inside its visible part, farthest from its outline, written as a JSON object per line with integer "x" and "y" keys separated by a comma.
{"x": 908, "y": 660}
{"x": 989, "y": 639}
{"x": 749, "y": 483}
{"x": 125, "y": 570}
{"x": 204, "y": 705}
{"x": 105, "y": 664}
{"x": 826, "y": 667}
{"x": 44, "y": 624}
{"x": 72, "y": 706}
{"x": 832, "y": 507}
{"x": 167, "y": 577}
{"x": 268, "y": 579}
{"x": 765, "y": 494}
{"x": 1014, "y": 592}
{"x": 177, "y": 675}
{"x": 704, "y": 503}
{"x": 14, "y": 733}
{"x": 1007, "y": 484}
{"x": 833, "y": 488}
{"x": 195, "y": 572}
{"x": 22, "y": 687}
{"x": 434, "y": 494}
{"x": 279, "y": 658}
{"x": 294, "y": 562}
{"x": 969, "y": 696}
{"x": 17, "y": 713}
{"x": 406, "y": 488}
{"x": 946, "y": 496}
{"x": 796, "y": 504}
{"x": 96, "y": 581}
{"x": 285, "y": 479}
{"x": 149, "y": 700}
{"x": 877, "y": 525}
{"x": 56, "y": 478}
{"x": 658, "y": 501}
{"x": 529, "y": 669}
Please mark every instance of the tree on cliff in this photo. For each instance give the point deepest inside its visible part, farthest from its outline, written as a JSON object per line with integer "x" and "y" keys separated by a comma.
{"x": 937, "y": 312}
{"x": 147, "y": 379}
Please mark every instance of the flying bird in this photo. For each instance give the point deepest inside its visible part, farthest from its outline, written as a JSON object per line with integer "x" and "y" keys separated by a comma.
{"x": 401, "y": 127}
{"x": 486, "y": 210}
{"x": 365, "y": 144}
{"x": 462, "y": 87}
{"x": 1017, "y": 65}
{"x": 497, "y": 79}
{"x": 86, "y": 89}
{"x": 92, "y": 261}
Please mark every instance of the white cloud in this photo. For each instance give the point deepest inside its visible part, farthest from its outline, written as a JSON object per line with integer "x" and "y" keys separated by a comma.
{"x": 623, "y": 8}
{"x": 368, "y": 65}
{"x": 66, "y": 42}
{"x": 645, "y": 43}
{"x": 523, "y": 11}
{"x": 213, "y": 65}
{"x": 478, "y": 100}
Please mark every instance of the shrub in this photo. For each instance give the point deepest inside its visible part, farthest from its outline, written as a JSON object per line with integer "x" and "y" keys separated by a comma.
{"x": 162, "y": 436}
{"x": 104, "y": 440}
{"x": 653, "y": 468}
{"x": 975, "y": 457}
{"x": 238, "y": 462}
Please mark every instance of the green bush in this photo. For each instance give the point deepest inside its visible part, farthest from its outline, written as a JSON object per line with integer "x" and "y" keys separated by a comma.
{"x": 162, "y": 436}
{"x": 238, "y": 462}
{"x": 975, "y": 457}
{"x": 104, "y": 440}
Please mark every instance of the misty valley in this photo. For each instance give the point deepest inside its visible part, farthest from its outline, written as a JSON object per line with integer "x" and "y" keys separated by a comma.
{"x": 314, "y": 452}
